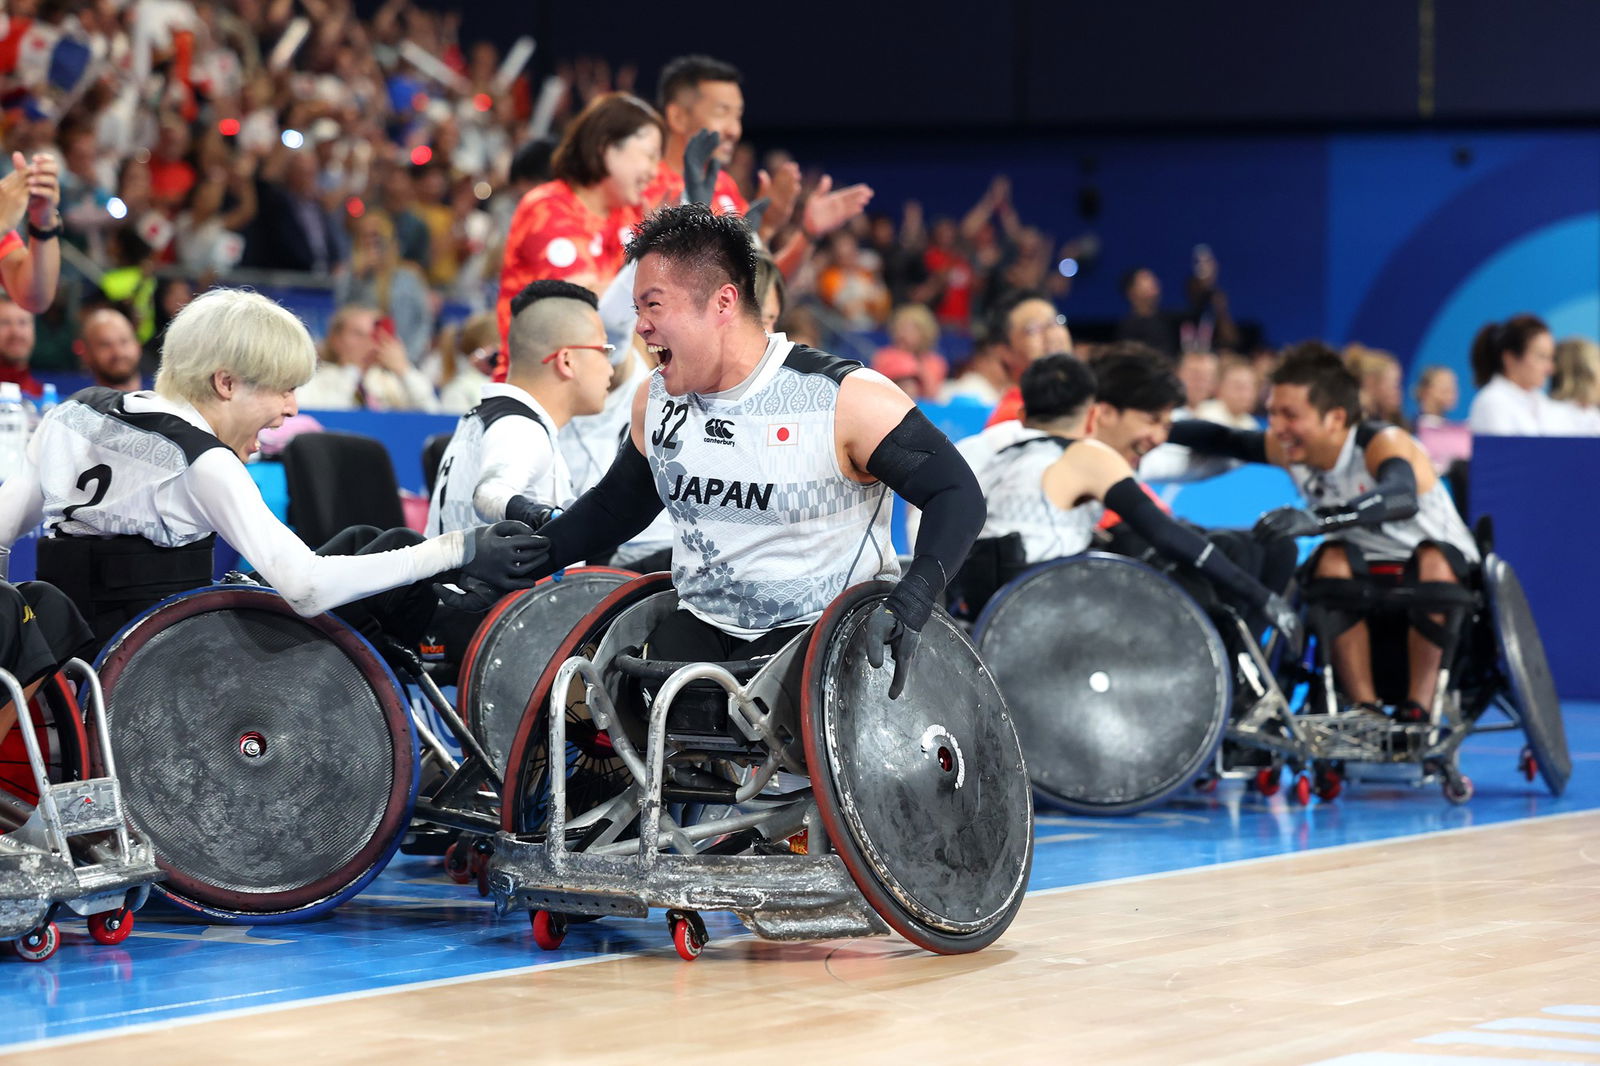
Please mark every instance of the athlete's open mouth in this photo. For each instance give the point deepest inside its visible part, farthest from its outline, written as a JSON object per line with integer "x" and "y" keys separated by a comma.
{"x": 663, "y": 354}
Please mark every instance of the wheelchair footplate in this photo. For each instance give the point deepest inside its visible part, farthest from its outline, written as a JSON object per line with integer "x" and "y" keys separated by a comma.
{"x": 71, "y": 850}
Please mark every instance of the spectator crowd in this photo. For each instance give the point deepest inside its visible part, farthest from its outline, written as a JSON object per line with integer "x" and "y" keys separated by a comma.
{"x": 413, "y": 182}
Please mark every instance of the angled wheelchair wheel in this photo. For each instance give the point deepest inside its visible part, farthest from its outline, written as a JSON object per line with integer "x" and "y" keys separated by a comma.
{"x": 58, "y": 723}
{"x": 268, "y": 758}
{"x": 1119, "y": 682}
{"x": 594, "y": 773}
{"x": 513, "y": 645}
{"x": 925, "y": 798}
{"x": 1529, "y": 685}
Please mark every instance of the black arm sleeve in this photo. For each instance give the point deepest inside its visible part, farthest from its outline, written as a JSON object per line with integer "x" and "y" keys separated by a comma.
{"x": 1212, "y": 438}
{"x": 1394, "y": 498}
{"x": 1181, "y": 545}
{"x": 924, "y": 468}
{"x": 611, "y": 513}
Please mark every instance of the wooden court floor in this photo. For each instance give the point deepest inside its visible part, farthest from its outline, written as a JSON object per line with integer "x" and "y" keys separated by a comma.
{"x": 1476, "y": 946}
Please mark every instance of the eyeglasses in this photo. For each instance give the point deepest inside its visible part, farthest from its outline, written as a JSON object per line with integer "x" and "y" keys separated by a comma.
{"x": 604, "y": 349}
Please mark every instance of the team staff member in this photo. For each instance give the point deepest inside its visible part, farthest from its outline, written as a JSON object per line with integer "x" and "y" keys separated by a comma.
{"x": 774, "y": 461}
{"x": 572, "y": 227}
{"x": 503, "y": 461}
{"x": 132, "y": 486}
{"x": 1374, "y": 496}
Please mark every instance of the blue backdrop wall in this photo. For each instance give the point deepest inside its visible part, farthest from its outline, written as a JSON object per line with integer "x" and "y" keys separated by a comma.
{"x": 1404, "y": 240}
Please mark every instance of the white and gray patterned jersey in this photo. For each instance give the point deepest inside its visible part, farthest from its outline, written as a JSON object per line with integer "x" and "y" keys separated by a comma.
{"x": 1436, "y": 519}
{"x": 589, "y": 443}
{"x": 1013, "y": 485}
{"x": 769, "y": 530}
{"x": 105, "y": 470}
{"x": 504, "y": 447}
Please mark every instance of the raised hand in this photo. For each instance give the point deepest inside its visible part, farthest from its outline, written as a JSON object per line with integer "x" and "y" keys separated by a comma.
{"x": 700, "y": 167}
{"x": 826, "y": 210}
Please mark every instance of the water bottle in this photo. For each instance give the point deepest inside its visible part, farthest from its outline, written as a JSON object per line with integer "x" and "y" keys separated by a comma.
{"x": 13, "y": 429}
{"x": 49, "y": 400}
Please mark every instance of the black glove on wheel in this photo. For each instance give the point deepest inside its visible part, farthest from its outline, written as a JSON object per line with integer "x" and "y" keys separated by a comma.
{"x": 885, "y": 628}
{"x": 897, "y": 624}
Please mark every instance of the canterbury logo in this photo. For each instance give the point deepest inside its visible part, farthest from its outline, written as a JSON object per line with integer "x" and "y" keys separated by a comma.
{"x": 719, "y": 431}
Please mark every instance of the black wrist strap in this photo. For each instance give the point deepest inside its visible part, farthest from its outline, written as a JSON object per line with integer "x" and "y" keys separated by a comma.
{"x": 44, "y": 234}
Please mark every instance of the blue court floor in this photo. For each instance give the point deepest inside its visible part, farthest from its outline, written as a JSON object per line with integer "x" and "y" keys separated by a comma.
{"x": 413, "y": 926}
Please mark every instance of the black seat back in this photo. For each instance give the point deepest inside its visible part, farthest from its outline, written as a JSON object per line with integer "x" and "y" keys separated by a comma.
{"x": 337, "y": 480}
{"x": 432, "y": 455}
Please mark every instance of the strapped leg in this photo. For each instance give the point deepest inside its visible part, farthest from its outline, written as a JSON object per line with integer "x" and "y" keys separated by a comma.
{"x": 1339, "y": 595}
{"x": 1440, "y": 604}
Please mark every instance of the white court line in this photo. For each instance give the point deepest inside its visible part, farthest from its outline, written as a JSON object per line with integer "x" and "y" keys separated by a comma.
{"x": 1543, "y": 1025}
{"x": 369, "y": 993}
{"x": 315, "y": 1001}
{"x": 1412, "y": 1058}
{"x": 1509, "y": 1040}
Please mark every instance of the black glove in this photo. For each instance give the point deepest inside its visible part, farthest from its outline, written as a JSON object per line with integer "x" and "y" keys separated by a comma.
{"x": 884, "y": 627}
{"x": 506, "y": 555}
{"x": 468, "y": 594}
{"x": 1285, "y": 620}
{"x": 700, "y": 167}
{"x": 531, "y": 513}
{"x": 1284, "y": 522}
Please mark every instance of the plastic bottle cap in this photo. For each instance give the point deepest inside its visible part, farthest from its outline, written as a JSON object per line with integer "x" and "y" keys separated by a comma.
{"x": 10, "y": 390}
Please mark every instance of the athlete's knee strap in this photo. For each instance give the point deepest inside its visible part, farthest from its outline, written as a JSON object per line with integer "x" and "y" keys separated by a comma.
{"x": 1334, "y": 604}
{"x": 1432, "y": 598}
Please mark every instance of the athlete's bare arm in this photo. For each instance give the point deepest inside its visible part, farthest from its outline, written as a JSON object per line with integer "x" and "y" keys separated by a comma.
{"x": 1087, "y": 470}
{"x": 870, "y": 406}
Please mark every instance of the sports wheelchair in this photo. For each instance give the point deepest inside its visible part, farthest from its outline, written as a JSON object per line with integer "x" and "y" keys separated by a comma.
{"x": 1126, "y": 691}
{"x": 276, "y": 763}
{"x": 808, "y": 803}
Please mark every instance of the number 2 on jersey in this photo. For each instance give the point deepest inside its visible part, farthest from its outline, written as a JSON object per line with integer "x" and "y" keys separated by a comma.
{"x": 101, "y": 476}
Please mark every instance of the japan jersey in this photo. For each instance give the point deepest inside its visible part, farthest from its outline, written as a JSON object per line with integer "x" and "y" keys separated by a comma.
{"x": 769, "y": 528}
{"x": 667, "y": 191}
{"x": 105, "y": 470}
{"x": 1436, "y": 519}
{"x": 554, "y": 235}
{"x": 1013, "y": 485}
{"x": 503, "y": 447}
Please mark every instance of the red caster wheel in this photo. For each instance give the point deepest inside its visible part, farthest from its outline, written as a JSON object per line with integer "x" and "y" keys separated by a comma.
{"x": 482, "y": 874}
{"x": 1528, "y": 764}
{"x": 1329, "y": 786}
{"x": 1458, "y": 789}
{"x": 111, "y": 927}
{"x": 549, "y": 929}
{"x": 1302, "y": 790}
{"x": 39, "y": 944}
{"x": 688, "y": 934}
{"x": 458, "y": 862}
{"x": 1266, "y": 781}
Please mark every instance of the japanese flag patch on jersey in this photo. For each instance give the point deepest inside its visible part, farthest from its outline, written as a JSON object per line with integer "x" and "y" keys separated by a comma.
{"x": 782, "y": 433}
